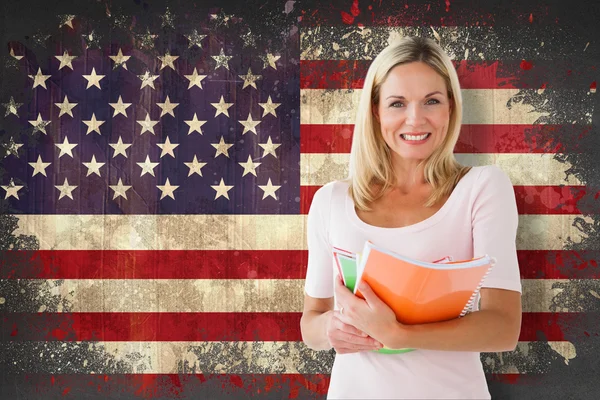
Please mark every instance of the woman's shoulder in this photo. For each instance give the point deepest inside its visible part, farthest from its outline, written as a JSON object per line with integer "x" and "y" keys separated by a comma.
{"x": 329, "y": 191}
{"x": 490, "y": 174}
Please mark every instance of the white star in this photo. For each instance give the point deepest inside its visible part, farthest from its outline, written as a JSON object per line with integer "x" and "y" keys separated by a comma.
{"x": 12, "y": 53}
{"x": 167, "y": 107}
{"x": 12, "y": 147}
{"x": 93, "y": 79}
{"x": 167, "y": 19}
{"x": 222, "y": 60}
{"x": 147, "y": 125}
{"x": 65, "y": 60}
{"x": 120, "y": 107}
{"x": 120, "y": 59}
{"x": 222, "y": 107}
{"x": 249, "y": 166}
{"x": 195, "y": 125}
{"x": 269, "y": 189}
{"x": 66, "y": 19}
{"x": 167, "y": 61}
{"x": 269, "y": 107}
{"x": 147, "y": 166}
{"x": 39, "y": 125}
{"x": 12, "y": 189}
{"x": 65, "y": 190}
{"x": 93, "y": 166}
{"x": 65, "y": 107}
{"x": 222, "y": 189}
{"x": 167, "y": 148}
{"x": 148, "y": 80}
{"x": 249, "y": 125}
{"x": 195, "y": 166}
{"x": 269, "y": 147}
{"x": 65, "y": 147}
{"x": 93, "y": 125}
{"x": 269, "y": 60}
{"x": 120, "y": 147}
{"x": 167, "y": 190}
{"x": 39, "y": 79}
{"x": 195, "y": 39}
{"x": 195, "y": 79}
{"x": 39, "y": 167}
{"x": 120, "y": 189}
{"x": 222, "y": 148}
{"x": 11, "y": 107}
{"x": 250, "y": 79}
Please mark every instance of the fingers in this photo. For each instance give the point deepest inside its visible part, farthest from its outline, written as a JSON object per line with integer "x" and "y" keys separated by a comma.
{"x": 347, "y": 338}
{"x": 349, "y": 328}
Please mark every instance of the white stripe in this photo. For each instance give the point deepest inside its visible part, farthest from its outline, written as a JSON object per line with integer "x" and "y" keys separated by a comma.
{"x": 350, "y": 42}
{"x": 235, "y": 295}
{"x": 237, "y": 357}
{"x": 481, "y": 106}
{"x": 233, "y": 232}
{"x": 522, "y": 168}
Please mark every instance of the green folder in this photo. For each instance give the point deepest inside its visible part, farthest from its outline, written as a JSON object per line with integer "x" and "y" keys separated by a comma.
{"x": 348, "y": 265}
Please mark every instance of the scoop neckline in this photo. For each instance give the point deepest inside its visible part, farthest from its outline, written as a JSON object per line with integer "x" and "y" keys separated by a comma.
{"x": 432, "y": 220}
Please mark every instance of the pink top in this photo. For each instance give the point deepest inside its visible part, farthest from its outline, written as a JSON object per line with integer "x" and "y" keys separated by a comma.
{"x": 480, "y": 217}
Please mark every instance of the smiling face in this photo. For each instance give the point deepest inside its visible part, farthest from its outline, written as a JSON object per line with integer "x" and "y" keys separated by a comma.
{"x": 413, "y": 111}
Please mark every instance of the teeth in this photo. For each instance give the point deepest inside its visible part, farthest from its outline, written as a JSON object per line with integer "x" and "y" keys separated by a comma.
{"x": 412, "y": 137}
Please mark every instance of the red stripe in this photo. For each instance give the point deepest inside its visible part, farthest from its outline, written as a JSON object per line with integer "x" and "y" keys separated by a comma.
{"x": 153, "y": 264}
{"x": 171, "y": 386}
{"x": 200, "y": 386}
{"x": 196, "y": 264}
{"x": 350, "y": 74}
{"x": 212, "y": 326}
{"x": 473, "y": 138}
{"x": 547, "y": 200}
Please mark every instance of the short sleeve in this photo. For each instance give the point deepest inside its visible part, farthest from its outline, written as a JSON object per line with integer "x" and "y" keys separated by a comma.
{"x": 319, "y": 273}
{"x": 495, "y": 220}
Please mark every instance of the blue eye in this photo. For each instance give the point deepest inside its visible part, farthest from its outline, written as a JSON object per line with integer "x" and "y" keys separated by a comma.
{"x": 436, "y": 101}
{"x": 395, "y": 104}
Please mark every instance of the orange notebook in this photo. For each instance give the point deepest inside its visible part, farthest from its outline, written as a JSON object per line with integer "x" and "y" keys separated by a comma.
{"x": 419, "y": 291}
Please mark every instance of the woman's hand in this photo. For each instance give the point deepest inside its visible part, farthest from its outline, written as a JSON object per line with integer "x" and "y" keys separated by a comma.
{"x": 345, "y": 338}
{"x": 371, "y": 315}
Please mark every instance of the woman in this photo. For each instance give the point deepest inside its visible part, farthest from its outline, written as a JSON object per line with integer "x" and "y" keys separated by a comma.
{"x": 406, "y": 192}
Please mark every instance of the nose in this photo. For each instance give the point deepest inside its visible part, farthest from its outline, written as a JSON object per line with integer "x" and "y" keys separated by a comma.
{"x": 415, "y": 115}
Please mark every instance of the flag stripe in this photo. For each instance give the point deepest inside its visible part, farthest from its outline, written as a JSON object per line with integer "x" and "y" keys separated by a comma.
{"x": 472, "y": 74}
{"x": 241, "y": 232}
{"x": 473, "y": 138}
{"x": 233, "y": 264}
{"x": 107, "y": 326}
{"x": 523, "y": 169}
{"x": 530, "y": 199}
{"x": 486, "y": 106}
{"x": 224, "y": 357}
{"x": 196, "y": 386}
{"x": 348, "y": 42}
{"x": 153, "y": 264}
{"x": 233, "y": 295}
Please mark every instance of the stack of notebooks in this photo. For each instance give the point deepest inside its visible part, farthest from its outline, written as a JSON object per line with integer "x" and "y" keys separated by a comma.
{"x": 419, "y": 292}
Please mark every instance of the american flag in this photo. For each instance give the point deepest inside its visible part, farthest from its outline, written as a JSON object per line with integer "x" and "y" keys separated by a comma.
{"x": 159, "y": 167}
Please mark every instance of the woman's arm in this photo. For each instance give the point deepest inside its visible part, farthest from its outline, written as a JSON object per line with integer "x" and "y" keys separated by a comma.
{"x": 313, "y": 323}
{"x": 495, "y": 327}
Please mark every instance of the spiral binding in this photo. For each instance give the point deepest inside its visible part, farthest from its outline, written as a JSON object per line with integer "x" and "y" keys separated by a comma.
{"x": 469, "y": 304}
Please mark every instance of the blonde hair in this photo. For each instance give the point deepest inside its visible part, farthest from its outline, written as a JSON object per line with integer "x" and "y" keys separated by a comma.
{"x": 367, "y": 166}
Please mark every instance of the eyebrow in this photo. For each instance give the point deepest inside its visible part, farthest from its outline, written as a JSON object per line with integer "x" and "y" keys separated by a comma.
{"x": 402, "y": 97}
